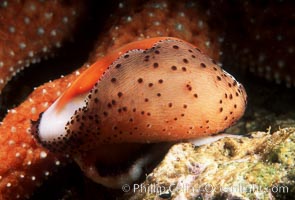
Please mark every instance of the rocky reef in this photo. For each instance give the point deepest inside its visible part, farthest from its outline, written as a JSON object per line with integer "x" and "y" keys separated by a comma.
{"x": 258, "y": 166}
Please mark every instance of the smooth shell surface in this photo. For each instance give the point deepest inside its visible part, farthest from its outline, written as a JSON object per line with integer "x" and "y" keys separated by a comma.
{"x": 169, "y": 92}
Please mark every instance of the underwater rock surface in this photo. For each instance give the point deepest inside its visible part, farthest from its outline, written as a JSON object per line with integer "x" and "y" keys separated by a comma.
{"x": 260, "y": 166}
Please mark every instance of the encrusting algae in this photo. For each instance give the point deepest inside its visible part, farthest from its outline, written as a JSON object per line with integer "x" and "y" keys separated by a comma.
{"x": 260, "y": 166}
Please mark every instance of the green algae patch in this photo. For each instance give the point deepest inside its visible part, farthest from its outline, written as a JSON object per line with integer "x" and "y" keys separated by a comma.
{"x": 284, "y": 152}
{"x": 264, "y": 175}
